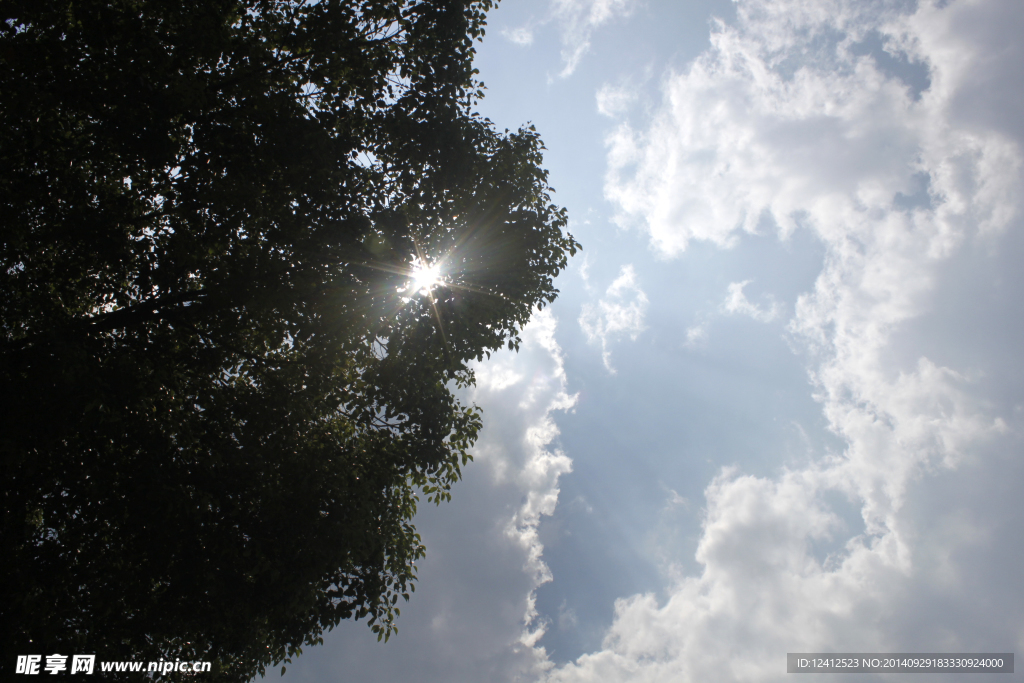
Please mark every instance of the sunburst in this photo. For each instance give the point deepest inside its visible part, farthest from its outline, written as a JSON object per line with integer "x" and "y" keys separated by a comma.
{"x": 424, "y": 278}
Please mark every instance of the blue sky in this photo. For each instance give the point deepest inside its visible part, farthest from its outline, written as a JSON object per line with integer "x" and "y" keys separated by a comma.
{"x": 779, "y": 404}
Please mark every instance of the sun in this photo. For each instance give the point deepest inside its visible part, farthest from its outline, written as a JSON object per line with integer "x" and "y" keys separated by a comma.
{"x": 424, "y": 277}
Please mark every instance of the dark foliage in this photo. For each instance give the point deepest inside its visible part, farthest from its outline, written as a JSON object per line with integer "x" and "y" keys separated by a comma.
{"x": 218, "y": 402}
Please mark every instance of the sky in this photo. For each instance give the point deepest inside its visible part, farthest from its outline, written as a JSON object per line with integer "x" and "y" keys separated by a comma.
{"x": 779, "y": 404}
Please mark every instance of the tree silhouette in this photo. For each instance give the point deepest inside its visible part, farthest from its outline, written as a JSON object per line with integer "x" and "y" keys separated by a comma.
{"x": 225, "y": 380}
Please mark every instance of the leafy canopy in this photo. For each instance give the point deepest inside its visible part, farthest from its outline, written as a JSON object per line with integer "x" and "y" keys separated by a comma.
{"x": 225, "y": 375}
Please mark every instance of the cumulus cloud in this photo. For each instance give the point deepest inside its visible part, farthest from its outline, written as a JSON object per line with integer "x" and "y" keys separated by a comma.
{"x": 620, "y": 312}
{"x": 783, "y": 118}
{"x": 795, "y": 118}
{"x": 579, "y": 19}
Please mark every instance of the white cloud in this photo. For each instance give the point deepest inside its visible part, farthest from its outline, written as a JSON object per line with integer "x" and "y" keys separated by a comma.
{"x": 754, "y": 128}
{"x": 578, "y": 20}
{"x": 567, "y": 619}
{"x": 736, "y": 302}
{"x": 696, "y": 335}
{"x": 584, "y": 270}
{"x": 614, "y": 100}
{"x": 787, "y": 119}
{"x": 539, "y": 465}
{"x": 620, "y": 312}
{"x": 499, "y": 373}
{"x": 522, "y": 35}
{"x": 675, "y": 500}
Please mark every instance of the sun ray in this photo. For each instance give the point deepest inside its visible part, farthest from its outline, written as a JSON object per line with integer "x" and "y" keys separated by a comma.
{"x": 427, "y": 276}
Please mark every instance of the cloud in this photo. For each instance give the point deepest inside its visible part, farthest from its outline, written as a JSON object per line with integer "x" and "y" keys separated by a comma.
{"x": 620, "y": 312}
{"x": 520, "y": 36}
{"x": 578, "y": 20}
{"x": 584, "y": 270}
{"x": 613, "y": 101}
{"x": 696, "y": 335}
{"x": 473, "y": 616}
{"x": 795, "y": 119}
{"x": 567, "y": 619}
{"x": 762, "y": 126}
{"x": 737, "y": 303}
{"x": 538, "y": 472}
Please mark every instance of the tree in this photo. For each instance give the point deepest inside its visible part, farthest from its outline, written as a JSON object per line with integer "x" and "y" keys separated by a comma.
{"x": 249, "y": 248}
